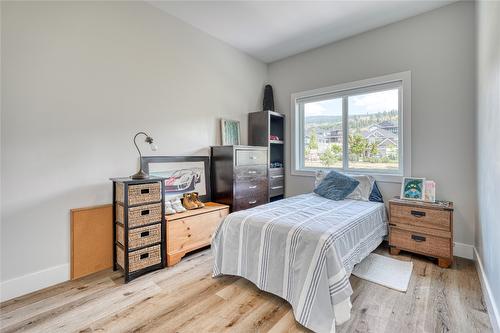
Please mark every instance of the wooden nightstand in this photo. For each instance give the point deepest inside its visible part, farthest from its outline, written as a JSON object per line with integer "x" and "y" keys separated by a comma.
{"x": 422, "y": 227}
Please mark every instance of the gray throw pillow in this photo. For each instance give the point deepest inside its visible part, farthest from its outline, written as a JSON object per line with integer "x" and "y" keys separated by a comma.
{"x": 336, "y": 186}
{"x": 364, "y": 189}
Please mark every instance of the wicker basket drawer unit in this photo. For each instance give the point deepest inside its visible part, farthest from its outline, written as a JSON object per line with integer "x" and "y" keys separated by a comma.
{"x": 139, "y": 237}
{"x": 139, "y": 259}
{"x": 421, "y": 227}
{"x": 139, "y": 215}
{"x": 139, "y": 226}
{"x": 138, "y": 194}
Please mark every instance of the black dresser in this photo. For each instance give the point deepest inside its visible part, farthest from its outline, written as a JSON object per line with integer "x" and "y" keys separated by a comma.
{"x": 240, "y": 176}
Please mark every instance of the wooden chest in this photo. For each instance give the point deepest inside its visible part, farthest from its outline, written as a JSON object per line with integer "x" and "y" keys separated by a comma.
{"x": 240, "y": 176}
{"x": 192, "y": 230}
{"x": 421, "y": 227}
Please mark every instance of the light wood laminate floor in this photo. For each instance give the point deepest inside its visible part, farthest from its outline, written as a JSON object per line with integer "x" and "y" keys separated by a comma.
{"x": 185, "y": 298}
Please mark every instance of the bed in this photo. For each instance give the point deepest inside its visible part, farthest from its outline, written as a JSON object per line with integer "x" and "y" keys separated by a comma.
{"x": 302, "y": 249}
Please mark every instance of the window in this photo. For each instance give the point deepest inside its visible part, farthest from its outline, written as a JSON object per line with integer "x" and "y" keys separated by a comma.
{"x": 357, "y": 127}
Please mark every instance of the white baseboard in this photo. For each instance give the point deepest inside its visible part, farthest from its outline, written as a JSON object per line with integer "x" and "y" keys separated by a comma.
{"x": 463, "y": 250}
{"x": 488, "y": 295}
{"x": 33, "y": 281}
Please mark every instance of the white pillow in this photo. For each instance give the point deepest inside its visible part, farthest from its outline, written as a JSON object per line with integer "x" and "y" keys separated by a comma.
{"x": 364, "y": 189}
{"x": 320, "y": 175}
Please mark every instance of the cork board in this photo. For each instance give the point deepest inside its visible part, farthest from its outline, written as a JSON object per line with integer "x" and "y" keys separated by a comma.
{"x": 91, "y": 240}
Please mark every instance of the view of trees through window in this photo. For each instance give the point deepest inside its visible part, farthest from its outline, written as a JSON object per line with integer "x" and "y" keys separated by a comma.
{"x": 372, "y": 135}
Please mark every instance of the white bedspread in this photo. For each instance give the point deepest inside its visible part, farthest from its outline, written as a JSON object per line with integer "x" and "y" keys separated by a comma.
{"x": 302, "y": 249}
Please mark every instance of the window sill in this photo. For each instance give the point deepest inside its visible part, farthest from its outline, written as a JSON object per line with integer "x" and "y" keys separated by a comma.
{"x": 379, "y": 177}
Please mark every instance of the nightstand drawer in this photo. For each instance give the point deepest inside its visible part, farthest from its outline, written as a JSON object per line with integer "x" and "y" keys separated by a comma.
{"x": 420, "y": 243}
{"x": 420, "y": 216}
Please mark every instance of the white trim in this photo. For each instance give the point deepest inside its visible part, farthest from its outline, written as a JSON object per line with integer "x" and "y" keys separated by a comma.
{"x": 404, "y": 119}
{"x": 33, "y": 281}
{"x": 488, "y": 294}
{"x": 463, "y": 250}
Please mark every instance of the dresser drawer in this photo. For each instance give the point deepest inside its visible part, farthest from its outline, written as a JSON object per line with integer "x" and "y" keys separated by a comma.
{"x": 193, "y": 232}
{"x": 139, "y": 215}
{"x": 276, "y": 175}
{"x": 275, "y": 190}
{"x": 249, "y": 188}
{"x": 275, "y": 182}
{"x": 420, "y": 216}
{"x": 420, "y": 242}
{"x": 139, "y": 237}
{"x": 254, "y": 172}
{"x": 250, "y": 202}
{"x": 139, "y": 194}
{"x": 139, "y": 259}
{"x": 250, "y": 157}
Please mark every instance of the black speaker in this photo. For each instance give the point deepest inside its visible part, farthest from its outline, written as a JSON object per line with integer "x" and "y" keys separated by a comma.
{"x": 268, "y": 102}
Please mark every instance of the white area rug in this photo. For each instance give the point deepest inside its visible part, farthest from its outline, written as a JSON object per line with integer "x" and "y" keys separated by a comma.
{"x": 388, "y": 272}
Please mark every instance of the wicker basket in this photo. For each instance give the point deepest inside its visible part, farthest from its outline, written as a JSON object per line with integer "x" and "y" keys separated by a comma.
{"x": 139, "y": 237}
{"x": 139, "y": 259}
{"x": 139, "y": 194}
{"x": 140, "y": 215}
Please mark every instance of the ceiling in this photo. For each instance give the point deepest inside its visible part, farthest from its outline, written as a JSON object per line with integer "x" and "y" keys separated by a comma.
{"x": 273, "y": 30}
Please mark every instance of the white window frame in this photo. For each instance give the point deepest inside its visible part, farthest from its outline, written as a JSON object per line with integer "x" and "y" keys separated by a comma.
{"x": 402, "y": 80}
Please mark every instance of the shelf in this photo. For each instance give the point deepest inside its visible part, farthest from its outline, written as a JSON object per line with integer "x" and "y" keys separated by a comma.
{"x": 276, "y": 142}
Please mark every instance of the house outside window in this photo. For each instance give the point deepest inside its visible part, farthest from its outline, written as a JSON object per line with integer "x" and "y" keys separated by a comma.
{"x": 359, "y": 127}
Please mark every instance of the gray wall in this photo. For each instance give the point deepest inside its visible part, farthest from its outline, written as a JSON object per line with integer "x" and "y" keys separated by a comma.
{"x": 79, "y": 79}
{"x": 438, "y": 48}
{"x": 488, "y": 146}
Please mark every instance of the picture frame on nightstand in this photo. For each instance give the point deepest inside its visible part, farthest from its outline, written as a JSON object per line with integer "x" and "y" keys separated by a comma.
{"x": 413, "y": 188}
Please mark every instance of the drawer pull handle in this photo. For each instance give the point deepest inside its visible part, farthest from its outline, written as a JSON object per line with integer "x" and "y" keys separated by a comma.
{"x": 253, "y": 157}
{"x": 252, "y": 187}
{"x": 276, "y": 187}
{"x": 278, "y": 176}
{"x": 145, "y": 234}
{"x": 418, "y": 238}
{"x": 145, "y": 191}
{"x": 144, "y": 256}
{"x": 417, "y": 213}
{"x": 145, "y": 212}
{"x": 252, "y": 172}
{"x": 252, "y": 202}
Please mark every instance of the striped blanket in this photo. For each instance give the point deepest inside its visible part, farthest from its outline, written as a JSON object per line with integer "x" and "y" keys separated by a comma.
{"x": 302, "y": 249}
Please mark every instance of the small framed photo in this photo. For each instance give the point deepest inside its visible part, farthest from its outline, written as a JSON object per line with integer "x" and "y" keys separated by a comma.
{"x": 413, "y": 188}
{"x": 230, "y": 132}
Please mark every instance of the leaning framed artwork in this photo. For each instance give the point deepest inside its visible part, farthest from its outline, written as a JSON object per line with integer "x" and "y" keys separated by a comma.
{"x": 230, "y": 132}
{"x": 183, "y": 174}
{"x": 413, "y": 188}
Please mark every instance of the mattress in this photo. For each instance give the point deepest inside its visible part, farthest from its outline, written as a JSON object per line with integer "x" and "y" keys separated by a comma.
{"x": 302, "y": 249}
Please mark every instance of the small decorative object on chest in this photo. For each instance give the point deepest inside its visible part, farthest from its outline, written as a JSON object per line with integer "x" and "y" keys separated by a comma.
{"x": 139, "y": 226}
{"x": 422, "y": 227}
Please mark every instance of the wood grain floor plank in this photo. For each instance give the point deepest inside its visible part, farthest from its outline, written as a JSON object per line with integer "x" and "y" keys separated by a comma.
{"x": 49, "y": 304}
{"x": 185, "y": 298}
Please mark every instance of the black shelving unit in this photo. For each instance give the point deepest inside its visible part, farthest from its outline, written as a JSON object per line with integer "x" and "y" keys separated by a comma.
{"x": 261, "y": 126}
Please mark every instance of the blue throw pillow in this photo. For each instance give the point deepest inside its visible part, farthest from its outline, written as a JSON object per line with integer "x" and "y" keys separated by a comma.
{"x": 336, "y": 186}
{"x": 375, "y": 195}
